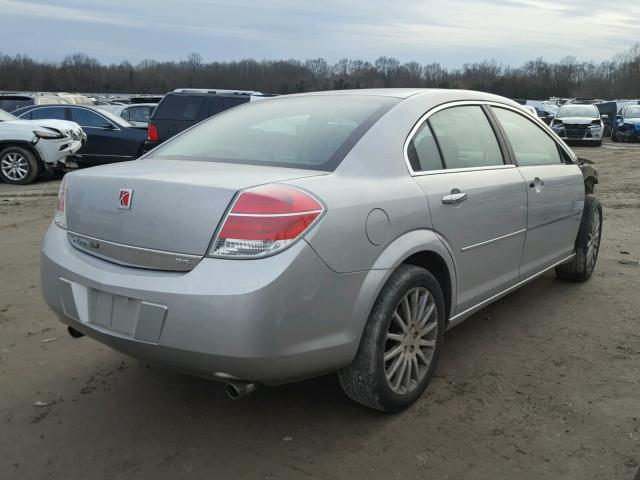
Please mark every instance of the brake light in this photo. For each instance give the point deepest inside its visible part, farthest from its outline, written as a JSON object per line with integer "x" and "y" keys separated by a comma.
{"x": 60, "y": 218}
{"x": 152, "y": 132}
{"x": 266, "y": 220}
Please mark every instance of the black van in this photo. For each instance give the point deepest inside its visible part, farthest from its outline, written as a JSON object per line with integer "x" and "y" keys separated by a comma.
{"x": 184, "y": 107}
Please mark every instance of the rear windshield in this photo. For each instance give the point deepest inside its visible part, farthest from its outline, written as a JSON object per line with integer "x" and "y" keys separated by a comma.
{"x": 313, "y": 132}
{"x": 179, "y": 107}
{"x": 578, "y": 111}
{"x": 9, "y": 104}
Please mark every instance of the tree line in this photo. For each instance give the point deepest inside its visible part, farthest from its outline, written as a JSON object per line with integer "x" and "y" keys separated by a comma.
{"x": 615, "y": 78}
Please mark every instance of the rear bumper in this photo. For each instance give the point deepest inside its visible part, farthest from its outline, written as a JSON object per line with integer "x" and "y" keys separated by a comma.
{"x": 273, "y": 320}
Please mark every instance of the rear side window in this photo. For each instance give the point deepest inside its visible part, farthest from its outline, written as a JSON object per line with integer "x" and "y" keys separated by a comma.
{"x": 466, "y": 138}
{"x": 311, "y": 132}
{"x": 530, "y": 144}
{"x": 423, "y": 151}
{"x": 57, "y": 113}
{"x": 179, "y": 107}
{"x": 221, "y": 103}
{"x": 11, "y": 104}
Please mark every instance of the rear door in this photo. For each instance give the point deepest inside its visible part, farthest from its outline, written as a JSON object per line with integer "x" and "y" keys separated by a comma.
{"x": 477, "y": 200}
{"x": 555, "y": 191}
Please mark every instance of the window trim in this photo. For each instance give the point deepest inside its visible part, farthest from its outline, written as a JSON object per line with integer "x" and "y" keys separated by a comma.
{"x": 507, "y": 156}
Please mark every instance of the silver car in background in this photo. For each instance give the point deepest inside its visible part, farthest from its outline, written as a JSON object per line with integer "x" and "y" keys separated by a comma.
{"x": 315, "y": 233}
{"x": 581, "y": 123}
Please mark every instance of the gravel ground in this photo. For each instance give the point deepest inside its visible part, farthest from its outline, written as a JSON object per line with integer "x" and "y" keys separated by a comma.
{"x": 544, "y": 384}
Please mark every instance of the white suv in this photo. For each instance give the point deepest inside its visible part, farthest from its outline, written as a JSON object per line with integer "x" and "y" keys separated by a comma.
{"x": 29, "y": 148}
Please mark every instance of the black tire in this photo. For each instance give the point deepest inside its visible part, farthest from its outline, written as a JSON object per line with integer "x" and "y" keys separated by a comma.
{"x": 614, "y": 136}
{"x": 583, "y": 264}
{"x": 365, "y": 380}
{"x": 28, "y": 165}
{"x": 599, "y": 144}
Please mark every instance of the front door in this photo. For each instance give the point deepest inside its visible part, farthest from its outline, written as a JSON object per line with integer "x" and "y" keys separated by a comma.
{"x": 104, "y": 144}
{"x": 478, "y": 203}
{"x": 555, "y": 192}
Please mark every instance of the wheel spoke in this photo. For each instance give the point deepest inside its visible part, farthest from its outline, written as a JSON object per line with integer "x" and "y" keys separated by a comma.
{"x": 427, "y": 329}
{"x": 398, "y": 319}
{"x": 420, "y": 355}
{"x": 394, "y": 352}
{"x": 427, "y": 314}
{"x": 427, "y": 343}
{"x": 407, "y": 376}
{"x": 407, "y": 309}
{"x": 394, "y": 367}
{"x": 395, "y": 337}
{"x": 400, "y": 374}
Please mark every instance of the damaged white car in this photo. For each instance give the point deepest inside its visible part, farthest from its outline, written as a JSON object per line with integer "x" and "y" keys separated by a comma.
{"x": 581, "y": 123}
{"x": 29, "y": 148}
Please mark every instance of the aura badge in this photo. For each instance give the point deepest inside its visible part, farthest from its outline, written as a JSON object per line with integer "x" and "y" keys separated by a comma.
{"x": 124, "y": 199}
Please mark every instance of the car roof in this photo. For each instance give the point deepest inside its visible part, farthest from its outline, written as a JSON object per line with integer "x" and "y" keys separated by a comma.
{"x": 434, "y": 96}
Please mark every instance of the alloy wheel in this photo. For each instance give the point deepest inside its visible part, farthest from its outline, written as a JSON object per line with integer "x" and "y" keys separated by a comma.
{"x": 593, "y": 241}
{"x": 14, "y": 166}
{"x": 411, "y": 341}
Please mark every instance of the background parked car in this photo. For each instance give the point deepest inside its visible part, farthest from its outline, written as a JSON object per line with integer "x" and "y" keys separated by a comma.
{"x": 611, "y": 109}
{"x": 29, "y": 148}
{"x": 184, "y": 107}
{"x": 579, "y": 123}
{"x": 12, "y": 101}
{"x": 626, "y": 125}
{"x": 109, "y": 138}
{"x": 138, "y": 114}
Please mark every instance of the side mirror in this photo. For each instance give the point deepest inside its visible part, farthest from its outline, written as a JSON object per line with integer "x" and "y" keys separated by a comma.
{"x": 108, "y": 126}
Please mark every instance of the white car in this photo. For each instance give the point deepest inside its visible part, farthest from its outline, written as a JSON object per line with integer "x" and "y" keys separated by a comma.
{"x": 29, "y": 148}
{"x": 579, "y": 123}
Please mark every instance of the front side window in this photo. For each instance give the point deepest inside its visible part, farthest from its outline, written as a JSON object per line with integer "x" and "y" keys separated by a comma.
{"x": 530, "y": 144}
{"x": 466, "y": 138}
{"x": 57, "y": 113}
{"x": 87, "y": 118}
{"x": 313, "y": 132}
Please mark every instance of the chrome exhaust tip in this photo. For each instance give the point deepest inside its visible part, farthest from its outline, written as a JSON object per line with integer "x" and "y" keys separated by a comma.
{"x": 74, "y": 333}
{"x": 237, "y": 390}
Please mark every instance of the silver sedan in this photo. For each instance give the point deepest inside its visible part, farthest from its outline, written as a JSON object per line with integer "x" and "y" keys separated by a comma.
{"x": 326, "y": 232}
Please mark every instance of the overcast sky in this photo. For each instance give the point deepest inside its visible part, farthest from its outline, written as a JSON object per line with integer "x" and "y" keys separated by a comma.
{"x": 451, "y": 32}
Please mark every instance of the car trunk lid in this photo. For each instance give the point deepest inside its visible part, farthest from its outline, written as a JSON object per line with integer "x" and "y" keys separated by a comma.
{"x": 172, "y": 206}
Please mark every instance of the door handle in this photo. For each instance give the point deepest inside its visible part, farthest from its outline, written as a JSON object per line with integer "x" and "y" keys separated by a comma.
{"x": 456, "y": 197}
{"x": 537, "y": 182}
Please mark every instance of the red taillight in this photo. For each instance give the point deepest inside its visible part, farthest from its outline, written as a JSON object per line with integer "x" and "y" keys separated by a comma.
{"x": 152, "y": 132}
{"x": 266, "y": 220}
{"x": 60, "y": 218}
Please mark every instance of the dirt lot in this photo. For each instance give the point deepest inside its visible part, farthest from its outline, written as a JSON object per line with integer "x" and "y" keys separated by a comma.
{"x": 544, "y": 384}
